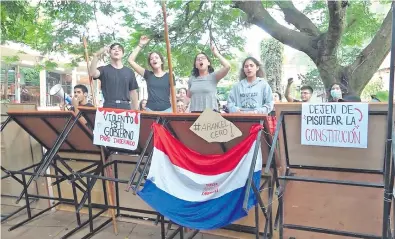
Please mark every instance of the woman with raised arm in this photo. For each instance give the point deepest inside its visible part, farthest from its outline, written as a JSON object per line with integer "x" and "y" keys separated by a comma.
{"x": 202, "y": 85}
{"x": 252, "y": 94}
{"x": 158, "y": 84}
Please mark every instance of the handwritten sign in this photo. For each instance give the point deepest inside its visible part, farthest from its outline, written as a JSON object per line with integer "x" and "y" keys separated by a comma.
{"x": 117, "y": 128}
{"x": 212, "y": 127}
{"x": 335, "y": 124}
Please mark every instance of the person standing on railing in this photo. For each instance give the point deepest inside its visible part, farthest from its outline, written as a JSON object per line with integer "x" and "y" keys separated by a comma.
{"x": 118, "y": 82}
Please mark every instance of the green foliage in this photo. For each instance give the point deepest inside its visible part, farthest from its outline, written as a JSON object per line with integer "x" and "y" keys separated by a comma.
{"x": 372, "y": 88}
{"x": 31, "y": 76}
{"x": 72, "y": 64}
{"x": 60, "y": 27}
{"x": 272, "y": 56}
{"x": 223, "y": 92}
{"x": 20, "y": 24}
{"x": 9, "y": 60}
{"x": 313, "y": 79}
{"x": 47, "y": 65}
{"x": 192, "y": 24}
{"x": 361, "y": 26}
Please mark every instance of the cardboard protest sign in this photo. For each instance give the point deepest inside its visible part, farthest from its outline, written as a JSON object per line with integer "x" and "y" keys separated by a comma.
{"x": 212, "y": 127}
{"x": 117, "y": 128}
{"x": 335, "y": 124}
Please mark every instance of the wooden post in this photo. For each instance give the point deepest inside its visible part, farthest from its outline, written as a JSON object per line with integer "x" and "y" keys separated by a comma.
{"x": 89, "y": 74}
{"x": 110, "y": 190}
{"x": 171, "y": 78}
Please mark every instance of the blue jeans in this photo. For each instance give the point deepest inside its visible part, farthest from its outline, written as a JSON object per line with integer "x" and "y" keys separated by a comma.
{"x": 169, "y": 110}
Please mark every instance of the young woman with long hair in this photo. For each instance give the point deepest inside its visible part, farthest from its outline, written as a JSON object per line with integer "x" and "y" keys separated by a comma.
{"x": 202, "y": 85}
{"x": 252, "y": 94}
{"x": 158, "y": 84}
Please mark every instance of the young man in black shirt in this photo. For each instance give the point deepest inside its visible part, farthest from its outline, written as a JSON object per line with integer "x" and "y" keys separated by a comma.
{"x": 118, "y": 83}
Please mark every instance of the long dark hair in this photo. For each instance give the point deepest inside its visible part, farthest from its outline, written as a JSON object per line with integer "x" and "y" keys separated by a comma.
{"x": 260, "y": 73}
{"x": 160, "y": 56}
{"x": 343, "y": 89}
{"x": 195, "y": 71}
{"x": 141, "y": 104}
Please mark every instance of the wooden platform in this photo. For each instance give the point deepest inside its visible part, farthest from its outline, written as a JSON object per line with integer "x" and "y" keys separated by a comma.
{"x": 337, "y": 207}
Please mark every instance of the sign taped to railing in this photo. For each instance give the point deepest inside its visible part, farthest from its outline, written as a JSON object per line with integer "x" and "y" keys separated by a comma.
{"x": 335, "y": 124}
{"x": 117, "y": 128}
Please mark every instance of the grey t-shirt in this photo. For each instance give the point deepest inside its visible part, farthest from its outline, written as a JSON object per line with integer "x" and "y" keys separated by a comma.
{"x": 158, "y": 91}
{"x": 203, "y": 92}
{"x": 117, "y": 83}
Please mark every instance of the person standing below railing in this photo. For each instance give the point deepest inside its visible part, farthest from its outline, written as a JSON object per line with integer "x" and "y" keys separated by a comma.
{"x": 118, "y": 83}
{"x": 306, "y": 92}
{"x": 80, "y": 98}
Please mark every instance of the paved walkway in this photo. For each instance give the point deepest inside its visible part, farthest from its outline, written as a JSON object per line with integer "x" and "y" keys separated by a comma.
{"x": 55, "y": 224}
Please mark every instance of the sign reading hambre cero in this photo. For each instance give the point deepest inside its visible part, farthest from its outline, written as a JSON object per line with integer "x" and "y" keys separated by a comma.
{"x": 335, "y": 124}
{"x": 117, "y": 128}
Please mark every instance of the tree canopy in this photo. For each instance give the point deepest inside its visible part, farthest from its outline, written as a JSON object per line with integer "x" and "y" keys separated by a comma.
{"x": 346, "y": 40}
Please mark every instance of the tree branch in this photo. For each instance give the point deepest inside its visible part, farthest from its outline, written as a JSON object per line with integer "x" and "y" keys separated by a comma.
{"x": 297, "y": 18}
{"x": 259, "y": 16}
{"x": 180, "y": 28}
{"x": 370, "y": 59}
{"x": 337, "y": 17}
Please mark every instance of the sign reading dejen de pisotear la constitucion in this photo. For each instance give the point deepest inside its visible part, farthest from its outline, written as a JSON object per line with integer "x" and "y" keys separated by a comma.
{"x": 117, "y": 128}
{"x": 335, "y": 124}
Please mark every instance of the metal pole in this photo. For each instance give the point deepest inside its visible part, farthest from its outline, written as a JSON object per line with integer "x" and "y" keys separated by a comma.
{"x": 252, "y": 167}
{"x": 388, "y": 148}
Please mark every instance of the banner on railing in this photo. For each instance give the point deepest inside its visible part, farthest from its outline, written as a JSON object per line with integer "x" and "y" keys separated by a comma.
{"x": 335, "y": 124}
{"x": 200, "y": 191}
{"x": 117, "y": 128}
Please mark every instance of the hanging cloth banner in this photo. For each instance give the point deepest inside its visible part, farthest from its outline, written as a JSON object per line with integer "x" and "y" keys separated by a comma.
{"x": 200, "y": 191}
{"x": 117, "y": 128}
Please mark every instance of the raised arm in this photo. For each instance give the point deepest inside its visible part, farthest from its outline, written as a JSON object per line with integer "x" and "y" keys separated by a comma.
{"x": 221, "y": 73}
{"x": 287, "y": 93}
{"x": 94, "y": 72}
{"x": 132, "y": 58}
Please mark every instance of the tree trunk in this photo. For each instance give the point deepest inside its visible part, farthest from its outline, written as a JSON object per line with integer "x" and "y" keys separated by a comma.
{"x": 331, "y": 72}
{"x": 322, "y": 47}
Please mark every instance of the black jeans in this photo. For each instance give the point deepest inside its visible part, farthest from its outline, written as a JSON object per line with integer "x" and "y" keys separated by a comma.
{"x": 124, "y": 106}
